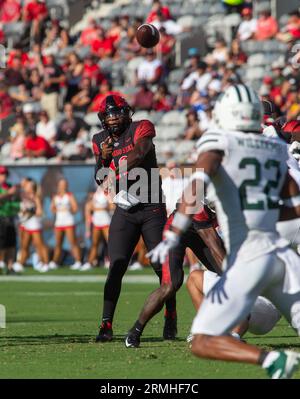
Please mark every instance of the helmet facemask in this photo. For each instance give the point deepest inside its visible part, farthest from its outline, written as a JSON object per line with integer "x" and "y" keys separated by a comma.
{"x": 115, "y": 118}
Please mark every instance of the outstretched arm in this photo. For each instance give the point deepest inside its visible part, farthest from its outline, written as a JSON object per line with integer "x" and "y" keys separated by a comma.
{"x": 207, "y": 166}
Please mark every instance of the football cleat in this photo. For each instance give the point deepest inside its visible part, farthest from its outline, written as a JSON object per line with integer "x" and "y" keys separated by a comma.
{"x": 105, "y": 332}
{"x": 170, "y": 327}
{"x": 281, "y": 364}
{"x": 132, "y": 340}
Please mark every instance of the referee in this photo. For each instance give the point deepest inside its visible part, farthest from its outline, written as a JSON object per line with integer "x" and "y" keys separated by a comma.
{"x": 124, "y": 140}
{"x": 9, "y": 208}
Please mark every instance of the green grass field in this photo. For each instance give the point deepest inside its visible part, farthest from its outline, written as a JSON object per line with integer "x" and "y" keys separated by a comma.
{"x": 51, "y": 328}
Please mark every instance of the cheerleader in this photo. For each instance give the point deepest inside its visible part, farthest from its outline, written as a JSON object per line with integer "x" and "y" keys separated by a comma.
{"x": 31, "y": 226}
{"x": 97, "y": 214}
{"x": 64, "y": 206}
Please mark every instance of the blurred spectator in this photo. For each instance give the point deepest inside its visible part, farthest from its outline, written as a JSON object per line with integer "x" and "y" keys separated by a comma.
{"x": 248, "y": 26}
{"x": 192, "y": 130}
{"x": 34, "y": 13}
{"x": 82, "y": 152}
{"x": 29, "y": 112}
{"x": 219, "y": 53}
{"x": 10, "y": 11}
{"x": 129, "y": 46}
{"x": 33, "y": 85}
{"x": 191, "y": 64}
{"x": 36, "y": 146}
{"x": 206, "y": 119}
{"x": 292, "y": 104}
{"x": 171, "y": 26}
{"x": 92, "y": 70}
{"x": 102, "y": 46}
{"x": 166, "y": 44}
{"x": 277, "y": 68}
{"x": 56, "y": 39}
{"x": 83, "y": 98}
{"x": 105, "y": 89}
{"x": 13, "y": 74}
{"x": 162, "y": 101}
{"x": 266, "y": 27}
{"x": 200, "y": 78}
{"x": 17, "y": 52}
{"x": 143, "y": 99}
{"x": 71, "y": 126}
{"x": 74, "y": 69}
{"x": 151, "y": 69}
{"x": 6, "y": 103}
{"x": 115, "y": 31}
{"x": 53, "y": 76}
{"x": 292, "y": 30}
{"x": 20, "y": 95}
{"x": 89, "y": 34}
{"x": 17, "y": 138}
{"x": 233, "y": 5}
{"x": 236, "y": 54}
{"x": 46, "y": 128}
{"x": 157, "y": 7}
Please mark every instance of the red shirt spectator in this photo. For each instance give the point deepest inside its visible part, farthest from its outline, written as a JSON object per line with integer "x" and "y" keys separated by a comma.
{"x": 92, "y": 71}
{"x": 266, "y": 27}
{"x": 17, "y": 53}
{"x": 37, "y": 146}
{"x": 102, "y": 46}
{"x": 10, "y": 11}
{"x": 6, "y": 103}
{"x": 166, "y": 42}
{"x": 35, "y": 10}
{"x": 89, "y": 34}
{"x": 157, "y": 6}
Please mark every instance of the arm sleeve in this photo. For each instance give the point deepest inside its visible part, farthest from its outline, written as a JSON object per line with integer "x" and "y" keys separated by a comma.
{"x": 144, "y": 129}
{"x": 212, "y": 141}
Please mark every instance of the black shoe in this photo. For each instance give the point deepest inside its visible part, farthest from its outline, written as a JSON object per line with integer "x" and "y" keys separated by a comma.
{"x": 132, "y": 340}
{"x": 105, "y": 332}
{"x": 170, "y": 327}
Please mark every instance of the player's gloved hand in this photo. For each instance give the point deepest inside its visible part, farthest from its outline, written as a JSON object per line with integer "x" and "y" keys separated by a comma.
{"x": 161, "y": 251}
{"x": 294, "y": 149}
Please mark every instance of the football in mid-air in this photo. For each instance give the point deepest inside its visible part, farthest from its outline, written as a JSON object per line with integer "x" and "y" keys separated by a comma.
{"x": 147, "y": 35}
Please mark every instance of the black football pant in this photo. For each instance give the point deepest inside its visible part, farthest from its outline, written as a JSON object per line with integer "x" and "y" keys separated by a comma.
{"x": 173, "y": 267}
{"x": 124, "y": 233}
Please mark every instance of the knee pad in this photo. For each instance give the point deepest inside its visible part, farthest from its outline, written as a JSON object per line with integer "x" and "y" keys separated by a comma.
{"x": 263, "y": 316}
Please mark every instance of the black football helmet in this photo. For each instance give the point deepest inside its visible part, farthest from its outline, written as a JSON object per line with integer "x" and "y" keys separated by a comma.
{"x": 115, "y": 114}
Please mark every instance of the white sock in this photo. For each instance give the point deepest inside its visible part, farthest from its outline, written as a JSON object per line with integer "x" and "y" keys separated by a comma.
{"x": 271, "y": 357}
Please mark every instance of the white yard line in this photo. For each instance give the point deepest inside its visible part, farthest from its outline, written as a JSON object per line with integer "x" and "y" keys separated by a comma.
{"x": 76, "y": 279}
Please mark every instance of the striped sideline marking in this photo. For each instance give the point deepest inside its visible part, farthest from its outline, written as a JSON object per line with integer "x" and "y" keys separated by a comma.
{"x": 76, "y": 279}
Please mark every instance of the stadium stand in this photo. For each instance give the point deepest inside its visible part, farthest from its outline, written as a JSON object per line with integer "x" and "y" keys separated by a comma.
{"x": 105, "y": 35}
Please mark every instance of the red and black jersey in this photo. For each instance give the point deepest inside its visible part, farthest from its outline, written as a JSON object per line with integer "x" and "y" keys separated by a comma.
{"x": 204, "y": 218}
{"x": 122, "y": 147}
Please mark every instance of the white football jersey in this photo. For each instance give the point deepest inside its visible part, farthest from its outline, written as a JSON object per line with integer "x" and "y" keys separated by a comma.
{"x": 246, "y": 189}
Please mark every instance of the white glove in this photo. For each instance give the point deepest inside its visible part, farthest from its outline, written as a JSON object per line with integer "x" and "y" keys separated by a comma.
{"x": 161, "y": 251}
{"x": 294, "y": 149}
